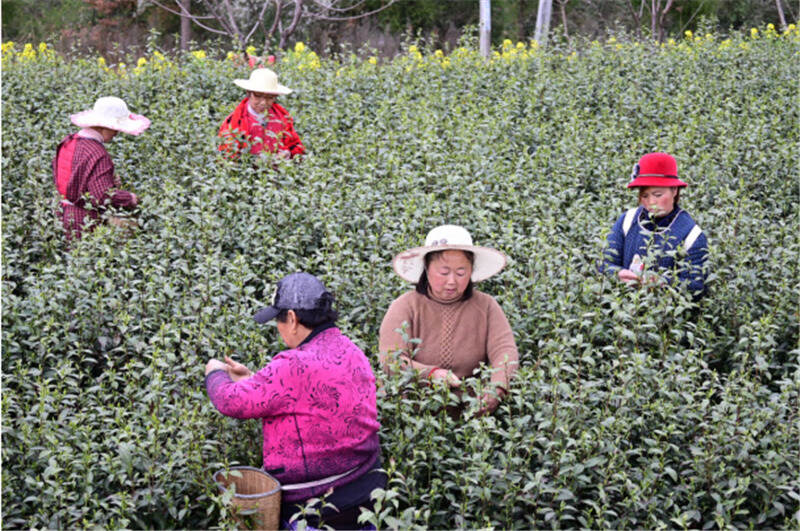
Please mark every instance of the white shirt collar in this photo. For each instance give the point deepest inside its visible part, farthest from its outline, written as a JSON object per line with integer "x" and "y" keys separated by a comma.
{"x": 259, "y": 117}
{"x": 88, "y": 132}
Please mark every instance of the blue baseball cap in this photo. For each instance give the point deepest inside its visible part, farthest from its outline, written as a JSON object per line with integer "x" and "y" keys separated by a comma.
{"x": 298, "y": 291}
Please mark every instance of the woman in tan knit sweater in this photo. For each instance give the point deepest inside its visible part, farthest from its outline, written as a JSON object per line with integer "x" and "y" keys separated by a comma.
{"x": 459, "y": 327}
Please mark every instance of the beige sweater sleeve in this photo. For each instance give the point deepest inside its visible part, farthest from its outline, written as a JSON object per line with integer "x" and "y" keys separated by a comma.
{"x": 500, "y": 346}
{"x": 400, "y": 313}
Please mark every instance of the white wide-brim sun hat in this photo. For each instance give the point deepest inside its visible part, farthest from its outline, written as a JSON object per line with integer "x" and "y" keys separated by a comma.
{"x": 263, "y": 80}
{"x": 410, "y": 264}
{"x": 113, "y": 113}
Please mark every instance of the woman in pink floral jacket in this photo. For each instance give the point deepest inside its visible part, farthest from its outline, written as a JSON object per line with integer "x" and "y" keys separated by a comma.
{"x": 316, "y": 402}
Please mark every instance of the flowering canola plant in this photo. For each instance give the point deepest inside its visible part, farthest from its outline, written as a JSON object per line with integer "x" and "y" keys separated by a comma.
{"x": 303, "y": 58}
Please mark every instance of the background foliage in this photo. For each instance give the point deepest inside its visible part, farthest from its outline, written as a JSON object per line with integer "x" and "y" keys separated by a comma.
{"x": 110, "y": 27}
{"x": 631, "y": 409}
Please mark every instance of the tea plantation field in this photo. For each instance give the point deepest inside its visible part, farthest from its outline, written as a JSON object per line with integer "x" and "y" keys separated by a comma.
{"x": 632, "y": 409}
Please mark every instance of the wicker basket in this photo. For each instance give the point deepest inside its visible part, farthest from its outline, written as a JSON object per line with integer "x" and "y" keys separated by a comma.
{"x": 257, "y": 498}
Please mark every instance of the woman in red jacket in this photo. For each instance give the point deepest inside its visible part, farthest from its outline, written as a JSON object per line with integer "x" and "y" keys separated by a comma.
{"x": 258, "y": 123}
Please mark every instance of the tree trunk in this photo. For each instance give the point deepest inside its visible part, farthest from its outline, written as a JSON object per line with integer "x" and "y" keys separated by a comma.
{"x": 186, "y": 25}
{"x": 485, "y": 28}
{"x": 562, "y": 4}
{"x": 781, "y": 17}
{"x": 543, "y": 21}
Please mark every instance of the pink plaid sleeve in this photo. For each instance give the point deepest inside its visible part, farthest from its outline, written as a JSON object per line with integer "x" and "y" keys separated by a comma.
{"x": 101, "y": 183}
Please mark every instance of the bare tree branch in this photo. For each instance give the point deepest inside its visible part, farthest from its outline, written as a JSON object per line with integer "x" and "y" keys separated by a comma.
{"x": 259, "y": 22}
{"x": 212, "y": 7}
{"x": 331, "y": 6}
{"x": 661, "y": 18}
{"x": 242, "y": 19}
{"x": 231, "y": 18}
{"x": 179, "y": 12}
{"x": 272, "y": 28}
{"x": 298, "y": 8}
{"x": 194, "y": 18}
{"x": 351, "y": 17}
{"x": 689, "y": 21}
{"x": 637, "y": 19}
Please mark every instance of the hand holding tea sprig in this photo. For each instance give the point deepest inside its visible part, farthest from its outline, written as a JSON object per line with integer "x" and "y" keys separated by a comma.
{"x": 648, "y": 279}
{"x": 437, "y": 373}
{"x": 235, "y": 370}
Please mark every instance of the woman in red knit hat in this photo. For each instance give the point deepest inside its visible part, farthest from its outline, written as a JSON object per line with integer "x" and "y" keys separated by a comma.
{"x": 657, "y": 227}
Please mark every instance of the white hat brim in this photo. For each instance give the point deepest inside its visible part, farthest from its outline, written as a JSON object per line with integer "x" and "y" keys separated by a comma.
{"x": 246, "y": 84}
{"x": 488, "y": 262}
{"x": 133, "y": 124}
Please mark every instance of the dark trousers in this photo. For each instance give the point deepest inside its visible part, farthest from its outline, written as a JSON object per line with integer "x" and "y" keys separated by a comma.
{"x": 348, "y": 499}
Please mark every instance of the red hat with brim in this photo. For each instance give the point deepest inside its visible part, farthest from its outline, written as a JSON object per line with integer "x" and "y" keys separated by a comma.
{"x": 656, "y": 169}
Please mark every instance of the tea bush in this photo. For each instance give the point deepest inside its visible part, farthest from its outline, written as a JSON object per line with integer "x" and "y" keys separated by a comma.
{"x": 631, "y": 408}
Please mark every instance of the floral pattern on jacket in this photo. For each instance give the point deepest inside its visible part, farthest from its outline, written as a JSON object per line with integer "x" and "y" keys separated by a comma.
{"x": 318, "y": 411}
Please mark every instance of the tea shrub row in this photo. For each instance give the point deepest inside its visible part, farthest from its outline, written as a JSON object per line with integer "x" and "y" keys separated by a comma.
{"x": 632, "y": 409}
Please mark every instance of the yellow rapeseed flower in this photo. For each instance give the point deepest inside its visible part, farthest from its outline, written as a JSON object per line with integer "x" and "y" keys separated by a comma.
{"x": 250, "y": 50}
{"x": 770, "y": 27}
{"x": 199, "y": 54}
{"x": 611, "y": 40}
{"x": 141, "y": 62}
{"x": 28, "y": 53}
{"x": 438, "y": 54}
{"x": 373, "y": 60}
{"x": 753, "y": 33}
{"x": 299, "y": 47}
{"x": 671, "y": 42}
{"x": 413, "y": 49}
{"x": 688, "y": 34}
{"x": 507, "y": 43}
{"x": 520, "y": 45}
{"x": 313, "y": 60}
{"x": 42, "y": 47}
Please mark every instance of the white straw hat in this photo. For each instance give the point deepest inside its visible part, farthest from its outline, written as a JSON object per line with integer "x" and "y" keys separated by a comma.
{"x": 410, "y": 264}
{"x": 263, "y": 80}
{"x": 113, "y": 113}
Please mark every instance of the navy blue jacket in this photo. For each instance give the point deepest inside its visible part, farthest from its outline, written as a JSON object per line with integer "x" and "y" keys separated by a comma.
{"x": 679, "y": 249}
